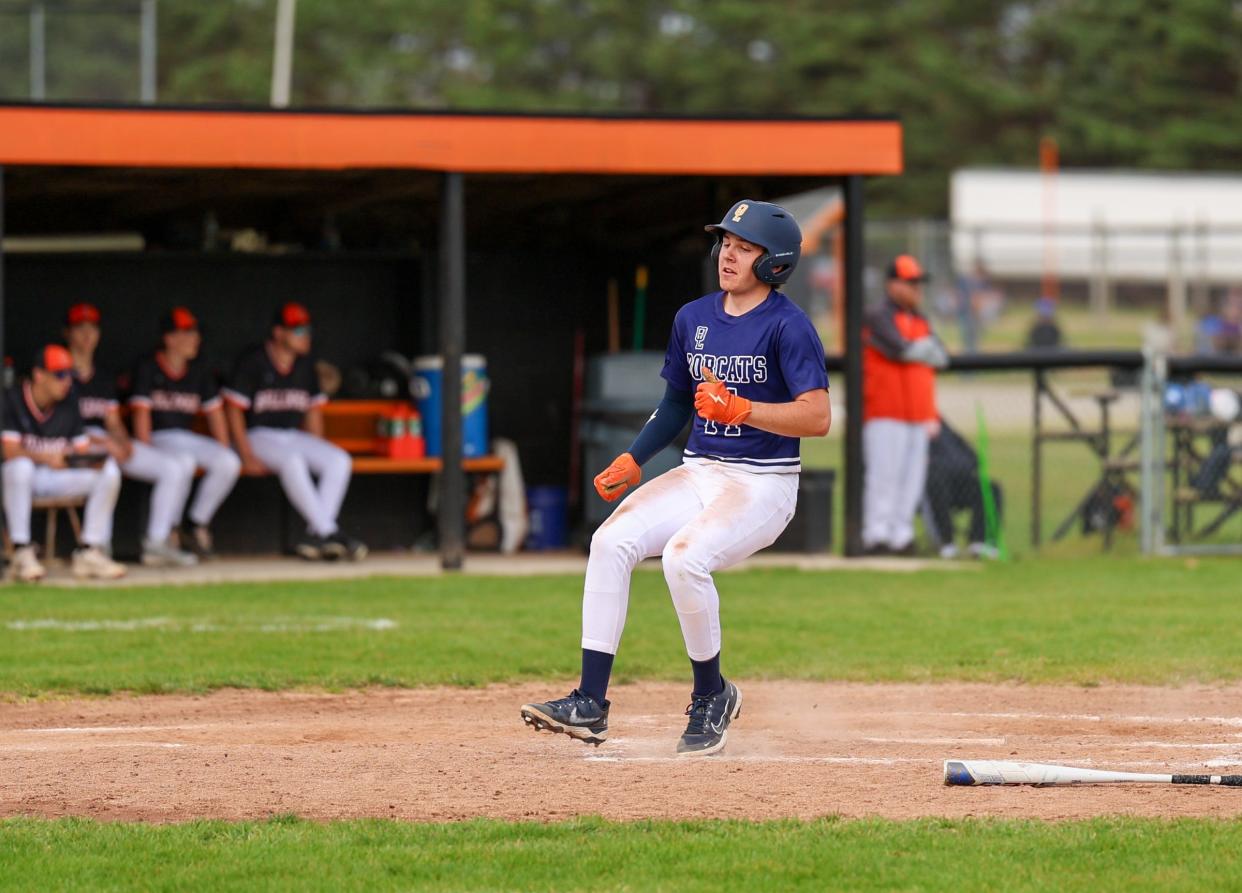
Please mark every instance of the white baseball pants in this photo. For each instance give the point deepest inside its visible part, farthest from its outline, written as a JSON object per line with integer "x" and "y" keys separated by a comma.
{"x": 221, "y": 467}
{"x": 701, "y": 517}
{"x": 895, "y": 454}
{"x": 25, "y": 481}
{"x": 170, "y": 477}
{"x": 294, "y": 456}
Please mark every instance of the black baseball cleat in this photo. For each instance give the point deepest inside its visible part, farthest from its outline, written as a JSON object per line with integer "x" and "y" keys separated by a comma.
{"x": 709, "y": 722}
{"x": 339, "y": 545}
{"x": 578, "y": 715}
{"x": 310, "y": 547}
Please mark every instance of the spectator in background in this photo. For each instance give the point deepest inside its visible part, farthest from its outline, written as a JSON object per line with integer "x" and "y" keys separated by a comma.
{"x": 170, "y": 476}
{"x": 978, "y": 301}
{"x": 900, "y": 356}
{"x": 171, "y": 387}
{"x": 953, "y": 485}
{"x": 1221, "y": 332}
{"x": 1045, "y": 332}
{"x": 1229, "y": 339}
{"x": 273, "y": 404}
{"x": 44, "y": 442}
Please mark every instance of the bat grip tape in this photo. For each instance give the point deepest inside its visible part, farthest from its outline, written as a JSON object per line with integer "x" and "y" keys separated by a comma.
{"x": 1231, "y": 781}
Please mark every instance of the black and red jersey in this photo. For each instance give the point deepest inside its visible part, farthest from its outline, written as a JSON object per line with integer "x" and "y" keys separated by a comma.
{"x": 96, "y": 397}
{"x": 174, "y": 400}
{"x": 274, "y": 396}
{"x": 58, "y": 429}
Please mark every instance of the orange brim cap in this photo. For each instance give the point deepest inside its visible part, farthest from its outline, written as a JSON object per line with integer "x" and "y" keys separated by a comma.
{"x": 54, "y": 358}
{"x": 907, "y": 268}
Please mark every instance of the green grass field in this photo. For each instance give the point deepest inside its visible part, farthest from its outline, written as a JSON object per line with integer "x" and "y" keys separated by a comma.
{"x": 1087, "y": 621}
{"x": 1080, "y": 621}
{"x": 590, "y": 855}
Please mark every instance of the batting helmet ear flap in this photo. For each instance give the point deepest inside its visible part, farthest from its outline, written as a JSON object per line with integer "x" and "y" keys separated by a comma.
{"x": 761, "y": 266}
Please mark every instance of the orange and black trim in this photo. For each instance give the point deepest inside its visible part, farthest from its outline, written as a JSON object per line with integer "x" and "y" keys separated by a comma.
{"x": 466, "y": 143}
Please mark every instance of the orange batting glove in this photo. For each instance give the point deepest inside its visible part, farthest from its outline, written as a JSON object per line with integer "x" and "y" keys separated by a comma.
{"x": 712, "y": 400}
{"x": 618, "y": 477}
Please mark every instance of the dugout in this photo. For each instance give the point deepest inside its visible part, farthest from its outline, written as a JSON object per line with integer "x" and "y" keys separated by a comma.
{"x": 419, "y": 232}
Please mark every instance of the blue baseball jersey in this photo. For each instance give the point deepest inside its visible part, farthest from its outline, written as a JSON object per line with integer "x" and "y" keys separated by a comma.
{"x": 770, "y": 354}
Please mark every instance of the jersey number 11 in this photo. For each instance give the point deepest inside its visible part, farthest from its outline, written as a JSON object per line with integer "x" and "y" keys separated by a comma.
{"x": 710, "y": 426}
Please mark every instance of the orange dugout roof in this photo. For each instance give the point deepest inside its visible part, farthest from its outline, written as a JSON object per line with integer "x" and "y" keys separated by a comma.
{"x": 466, "y": 143}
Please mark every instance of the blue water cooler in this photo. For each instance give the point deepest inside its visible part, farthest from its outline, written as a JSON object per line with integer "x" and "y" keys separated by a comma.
{"x": 428, "y": 388}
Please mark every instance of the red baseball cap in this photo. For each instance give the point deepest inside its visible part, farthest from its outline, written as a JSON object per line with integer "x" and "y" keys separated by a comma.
{"x": 53, "y": 358}
{"x": 907, "y": 268}
{"x": 292, "y": 315}
{"x": 80, "y": 313}
{"x": 179, "y": 319}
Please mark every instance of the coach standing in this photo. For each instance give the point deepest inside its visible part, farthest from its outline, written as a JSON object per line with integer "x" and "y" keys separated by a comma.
{"x": 900, "y": 356}
{"x": 274, "y": 407}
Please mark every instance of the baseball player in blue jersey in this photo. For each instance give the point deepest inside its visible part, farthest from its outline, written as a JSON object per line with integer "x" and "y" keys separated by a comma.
{"x": 747, "y": 366}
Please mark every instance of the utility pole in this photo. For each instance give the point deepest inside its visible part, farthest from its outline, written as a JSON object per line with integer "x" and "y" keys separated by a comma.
{"x": 282, "y": 58}
{"x": 148, "y": 52}
{"x": 38, "y": 53}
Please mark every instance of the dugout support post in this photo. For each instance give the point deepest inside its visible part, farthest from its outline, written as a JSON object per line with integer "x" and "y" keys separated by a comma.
{"x": 451, "y": 521}
{"x": 2, "y": 308}
{"x": 854, "y": 257}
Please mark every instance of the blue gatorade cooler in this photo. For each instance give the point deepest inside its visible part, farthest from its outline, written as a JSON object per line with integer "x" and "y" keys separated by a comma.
{"x": 428, "y": 386}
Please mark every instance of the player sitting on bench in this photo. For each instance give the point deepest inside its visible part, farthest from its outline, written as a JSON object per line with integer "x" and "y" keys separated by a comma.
{"x": 170, "y": 476}
{"x": 274, "y": 412}
{"x": 170, "y": 388}
{"x": 45, "y": 455}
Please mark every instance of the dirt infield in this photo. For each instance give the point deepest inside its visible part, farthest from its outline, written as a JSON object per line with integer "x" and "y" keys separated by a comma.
{"x": 799, "y": 749}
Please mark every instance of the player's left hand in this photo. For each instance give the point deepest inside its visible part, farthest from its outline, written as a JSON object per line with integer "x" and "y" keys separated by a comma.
{"x": 714, "y": 401}
{"x": 618, "y": 477}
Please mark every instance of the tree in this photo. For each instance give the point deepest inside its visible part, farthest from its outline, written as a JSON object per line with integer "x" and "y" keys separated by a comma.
{"x": 1136, "y": 83}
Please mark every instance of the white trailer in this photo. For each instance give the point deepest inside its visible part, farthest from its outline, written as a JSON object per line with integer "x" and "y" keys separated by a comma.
{"x": 1099, "y": 225}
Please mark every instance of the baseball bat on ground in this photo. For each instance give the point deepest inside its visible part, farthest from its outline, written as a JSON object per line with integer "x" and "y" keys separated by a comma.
{"x": 991, "y": 772}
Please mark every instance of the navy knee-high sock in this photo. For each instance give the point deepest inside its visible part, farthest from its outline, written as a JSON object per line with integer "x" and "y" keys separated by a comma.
{"x": 707, "y": 678}
{"x": 596, "y": 669}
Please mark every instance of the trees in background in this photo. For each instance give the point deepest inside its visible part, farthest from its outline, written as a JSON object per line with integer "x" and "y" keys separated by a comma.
{"x": 1129, "y": 83}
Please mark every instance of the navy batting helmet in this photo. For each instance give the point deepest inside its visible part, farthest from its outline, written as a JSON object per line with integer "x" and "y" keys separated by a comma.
{"x": 769, "y": 226}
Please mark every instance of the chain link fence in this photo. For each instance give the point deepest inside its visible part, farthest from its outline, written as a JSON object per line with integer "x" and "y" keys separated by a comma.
{"x": 1190, "y": 460}
{"x": 1076, "y": 461}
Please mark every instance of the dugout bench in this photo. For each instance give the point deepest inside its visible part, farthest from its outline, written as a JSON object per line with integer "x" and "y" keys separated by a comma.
{"x": 350, "y": 424}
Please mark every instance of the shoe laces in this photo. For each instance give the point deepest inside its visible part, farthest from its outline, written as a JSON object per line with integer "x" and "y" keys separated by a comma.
{"x": 574, "y": 697}
{"x": 698, "y": 710}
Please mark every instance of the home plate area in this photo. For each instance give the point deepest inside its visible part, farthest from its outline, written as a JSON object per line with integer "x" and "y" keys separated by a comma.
{"x": 800, "y": 749}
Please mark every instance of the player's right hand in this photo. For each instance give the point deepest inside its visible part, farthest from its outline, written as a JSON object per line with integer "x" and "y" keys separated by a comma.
{"x": 618, "y": 477}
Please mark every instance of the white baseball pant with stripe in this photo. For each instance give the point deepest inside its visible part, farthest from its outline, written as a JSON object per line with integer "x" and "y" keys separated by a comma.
{"x": 294, "y": 456}
{"x": 895, "y": 454}
{"x": 702, "y": 517}
{"x": 26, "y": 481}
{"x": 221, "y": 468}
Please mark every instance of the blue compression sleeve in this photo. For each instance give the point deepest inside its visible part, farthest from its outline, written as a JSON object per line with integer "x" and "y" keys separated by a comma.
{"x": 664, "y": 425}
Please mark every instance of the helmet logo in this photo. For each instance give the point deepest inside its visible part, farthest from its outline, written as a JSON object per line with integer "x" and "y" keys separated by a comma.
{"x": 739, "y": 211}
